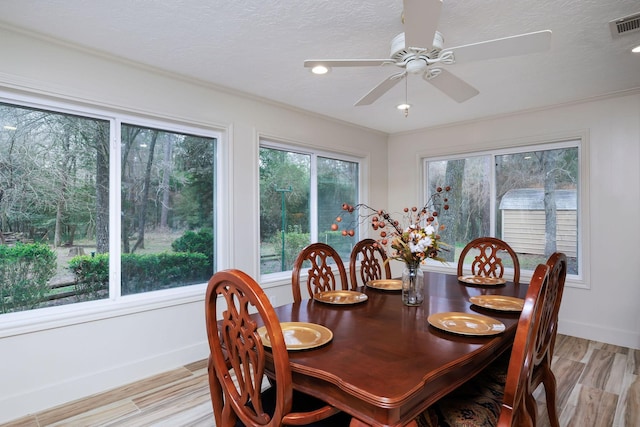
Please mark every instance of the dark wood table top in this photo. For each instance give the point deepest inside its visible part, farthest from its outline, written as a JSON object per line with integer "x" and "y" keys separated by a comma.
{"x": 386, "y": 364}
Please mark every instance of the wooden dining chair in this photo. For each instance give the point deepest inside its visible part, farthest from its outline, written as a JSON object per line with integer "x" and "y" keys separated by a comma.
{"x": 542, "y": 374}
{"x": 372, "y": 260}
{"x": 501, "y": 395}
{"x": 488, "y": 261}
{"x": 320, "y": 261}
{"x": 238, "y": 358}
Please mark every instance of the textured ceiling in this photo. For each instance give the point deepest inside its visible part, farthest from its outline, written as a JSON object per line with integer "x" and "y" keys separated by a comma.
{"x": 258, "y": 47}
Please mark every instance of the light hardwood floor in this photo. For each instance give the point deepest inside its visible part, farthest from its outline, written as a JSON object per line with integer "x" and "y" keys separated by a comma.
{"x": 598, "y": 386}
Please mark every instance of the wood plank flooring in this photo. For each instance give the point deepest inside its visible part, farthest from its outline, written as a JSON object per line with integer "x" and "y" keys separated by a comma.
{"x": 598, "y": 386}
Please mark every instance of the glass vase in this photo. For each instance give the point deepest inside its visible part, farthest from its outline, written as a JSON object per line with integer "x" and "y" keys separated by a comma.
{"x": 412, "y": 284}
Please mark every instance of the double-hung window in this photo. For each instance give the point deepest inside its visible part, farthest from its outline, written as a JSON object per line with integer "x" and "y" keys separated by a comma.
{"x": 301, "y": 192}
{"x": 527, "y": 196}
{"x": 96, "y": 206}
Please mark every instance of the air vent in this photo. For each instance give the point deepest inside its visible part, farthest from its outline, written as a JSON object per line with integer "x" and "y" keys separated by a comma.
{"x": 626, "y": 25}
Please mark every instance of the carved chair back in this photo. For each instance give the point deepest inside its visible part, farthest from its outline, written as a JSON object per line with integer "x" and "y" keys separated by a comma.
{"x": 320, "y": 261}
{"x": 236, "y": 346}
{"x": 542, "y": 373}
{"x": 488, "y": 261}
{"x": 518, "y": 405}
{"x": 371, "y": 258}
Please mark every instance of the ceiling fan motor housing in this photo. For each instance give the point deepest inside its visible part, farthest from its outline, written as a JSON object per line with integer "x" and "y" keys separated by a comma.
{"x": 401, "y": 53}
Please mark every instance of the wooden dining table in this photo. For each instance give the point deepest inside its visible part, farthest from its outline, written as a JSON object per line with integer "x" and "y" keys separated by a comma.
{"x": 385, "y": 363}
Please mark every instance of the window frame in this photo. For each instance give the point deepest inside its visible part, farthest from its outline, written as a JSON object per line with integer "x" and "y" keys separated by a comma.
{"x": 314, "y": 153}
{"x": 572, "y": 140}
{"x": 115, "y": 305}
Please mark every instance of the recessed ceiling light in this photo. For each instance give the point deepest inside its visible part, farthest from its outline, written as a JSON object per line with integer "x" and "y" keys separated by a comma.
{"x": 320, "y": 69}
{"x": 636, "y": 49}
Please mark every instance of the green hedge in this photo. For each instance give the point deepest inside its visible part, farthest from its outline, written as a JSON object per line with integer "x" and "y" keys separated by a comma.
{"x": 91, "y": 276}
{"x": 191, "y": 241}
{"x": 25, "y": 270}
{"x": 294, "y": 243}
{"x": 143, "y": 273}
{"x": 140, "y": 273}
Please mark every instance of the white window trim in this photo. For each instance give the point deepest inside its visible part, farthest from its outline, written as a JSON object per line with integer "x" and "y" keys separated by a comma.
{"x": 581, "y": 140}
{"x": 40, "y": 319}
{"x": 281, "y": 277}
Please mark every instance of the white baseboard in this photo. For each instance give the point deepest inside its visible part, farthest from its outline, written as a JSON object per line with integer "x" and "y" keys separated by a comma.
{"x": 623, "y": 338}
{"x": 51, "y": 395}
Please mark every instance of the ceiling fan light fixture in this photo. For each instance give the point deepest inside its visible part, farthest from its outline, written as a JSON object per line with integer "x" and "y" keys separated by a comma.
{"x": 416, "y": 66}
{"x": 320, "y": 69}
{"x": 405, "y": 105}
{"x": 404, "y": 108}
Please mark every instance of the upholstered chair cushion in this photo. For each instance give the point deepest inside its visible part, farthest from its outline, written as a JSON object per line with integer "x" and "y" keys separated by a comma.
{"x": 477, "y": 403}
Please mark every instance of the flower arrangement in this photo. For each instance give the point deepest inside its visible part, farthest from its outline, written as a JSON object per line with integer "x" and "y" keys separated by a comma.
{"x": 413, "y": 244}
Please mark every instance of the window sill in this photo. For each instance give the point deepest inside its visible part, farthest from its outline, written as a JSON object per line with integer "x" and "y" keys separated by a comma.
{"x": 30, "y": 321}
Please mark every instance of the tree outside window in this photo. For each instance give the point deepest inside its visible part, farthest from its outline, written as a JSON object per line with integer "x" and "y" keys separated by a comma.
{"x": 55, "y": 212}
{"x": 528, "y": 198}
{"x": 167, "y": 181}
{"x": 300, "y": 193}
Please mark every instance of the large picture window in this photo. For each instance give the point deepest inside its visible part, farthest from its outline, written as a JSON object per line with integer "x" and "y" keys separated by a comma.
{"x": 300, "y": 194}
{"x": 57, "y": 216}
{"x": 527, "y": 197}
{"x": 167, "y": 209}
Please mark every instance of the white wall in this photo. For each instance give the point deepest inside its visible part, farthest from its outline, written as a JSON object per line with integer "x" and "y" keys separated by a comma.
{"x": 606, "y": 308}
{"x": 41, "y": 369}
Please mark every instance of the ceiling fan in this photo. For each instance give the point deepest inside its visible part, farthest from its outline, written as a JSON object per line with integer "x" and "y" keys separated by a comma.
{"x": 420, "y": 50}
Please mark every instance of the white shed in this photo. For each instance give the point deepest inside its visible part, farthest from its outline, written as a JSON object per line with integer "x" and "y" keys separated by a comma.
{"x": 523, "y": 221}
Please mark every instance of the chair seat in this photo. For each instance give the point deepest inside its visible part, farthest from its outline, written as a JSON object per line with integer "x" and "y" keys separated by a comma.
{"x": 476, "y": 403}
{"x": 303, "y": 403}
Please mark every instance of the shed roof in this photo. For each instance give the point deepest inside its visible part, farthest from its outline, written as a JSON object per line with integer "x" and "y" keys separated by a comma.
{"x": 533, "y": 199}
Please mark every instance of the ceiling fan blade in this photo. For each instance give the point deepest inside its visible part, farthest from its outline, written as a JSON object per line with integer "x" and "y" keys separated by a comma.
{"x": 420, "y": 22}
{"x": 452, "y": 86}
{"x": 310, "y": 63}
{"x": 381, "y": 89}
{"x": 508, "y": 46}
